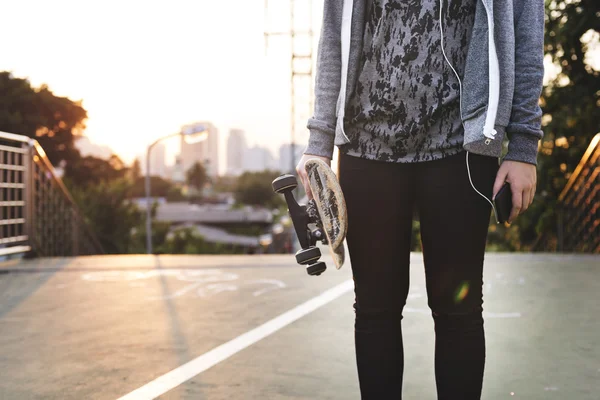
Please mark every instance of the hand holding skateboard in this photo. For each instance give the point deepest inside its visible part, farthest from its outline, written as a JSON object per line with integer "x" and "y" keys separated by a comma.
{"x": 303, "y": 175}
{"x": 324, "y": 218}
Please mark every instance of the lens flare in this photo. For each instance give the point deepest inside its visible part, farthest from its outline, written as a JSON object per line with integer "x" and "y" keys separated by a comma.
{"x": 461, "y": 292}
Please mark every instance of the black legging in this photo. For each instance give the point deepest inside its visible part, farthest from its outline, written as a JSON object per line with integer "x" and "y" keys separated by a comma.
{"x": 454, "y": 221}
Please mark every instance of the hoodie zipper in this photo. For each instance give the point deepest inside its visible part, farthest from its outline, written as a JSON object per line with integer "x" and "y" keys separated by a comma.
{"x": 494, "y": 91}
{"x": 345, "y": 42}
{"x": 493, "y": 94}
{"x": 494, "y": 79}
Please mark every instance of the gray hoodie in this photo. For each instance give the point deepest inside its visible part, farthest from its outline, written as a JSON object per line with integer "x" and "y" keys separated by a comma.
{"x": 501, "y": 85}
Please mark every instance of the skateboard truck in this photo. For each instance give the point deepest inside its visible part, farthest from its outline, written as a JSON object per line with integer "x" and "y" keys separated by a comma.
{"x": 303, "y": 216}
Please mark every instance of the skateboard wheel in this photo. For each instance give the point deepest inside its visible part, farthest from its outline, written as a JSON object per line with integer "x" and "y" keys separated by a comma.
{"x": 285, "y": 183}
{"x": 316, "y": 269}
{"x": 307, "y": 256}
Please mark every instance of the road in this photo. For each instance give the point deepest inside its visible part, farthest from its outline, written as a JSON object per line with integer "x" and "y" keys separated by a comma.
{"x": 258, "y": 327}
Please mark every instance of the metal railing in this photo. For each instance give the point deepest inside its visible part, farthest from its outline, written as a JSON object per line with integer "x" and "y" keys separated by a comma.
{"x": 13, "y": 178}
{"x": 578, "y": 209}
{"x": 579, "y": 205}
{"x": 39, "y": 216}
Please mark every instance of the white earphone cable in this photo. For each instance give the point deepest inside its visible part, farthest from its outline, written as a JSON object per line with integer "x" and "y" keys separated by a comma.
{"x": 460, "y": 105}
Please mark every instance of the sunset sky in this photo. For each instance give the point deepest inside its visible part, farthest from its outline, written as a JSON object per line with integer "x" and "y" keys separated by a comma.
{"x": 144, "y": 68}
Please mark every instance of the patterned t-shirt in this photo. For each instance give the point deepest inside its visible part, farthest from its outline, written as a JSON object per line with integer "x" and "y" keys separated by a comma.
{"x": 405, "y": 107}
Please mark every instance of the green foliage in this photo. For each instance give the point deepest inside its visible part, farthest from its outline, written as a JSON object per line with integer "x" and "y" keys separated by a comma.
{"x": 571, "y": 101}
{"x": 196, "y": 176}
{"x": 571, "y": 106}
{"x": 159, "y": 236}
{"x": 159, "y": 187}
{"x": 186, "y": 241}
{"x": 254, "y": 188}
{"x": 98, "y": 186}
{"x": 108, "y": 213}
{"x": 174, "y": 195}
{"x": 224, "y": 184}
{"x": 245, "y": 230}
{"x": 135, "y": 172}
{"x": 36, "y": 112}
{"x": 91, "y": 171}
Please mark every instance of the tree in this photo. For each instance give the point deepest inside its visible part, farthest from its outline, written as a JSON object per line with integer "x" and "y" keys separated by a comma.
{"x": 36, "y": 112}
{"x": 175, "y": 194}
{"x": 571, "y": 106}
{"x": 109, "y": 214}
{"x": 160, "y": 230}
{"x": 196, "y": 176}
{"x": 224, "y": 184}
{"x": 90, "y": 171}
{"x": 159, "y": 187}
{"x": 571, "y": 101}
{"x": 255, "y": 188}
{"x": 135, "y": 172}
{"x": 187, "y": 241}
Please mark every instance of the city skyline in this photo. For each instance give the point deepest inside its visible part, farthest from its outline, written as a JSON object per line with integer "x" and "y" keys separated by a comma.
{"x": 240, "y": 157}
{"x": 236, "y": 146}
{"x": 205, "y": 152}
{"x": 159, "y": 67}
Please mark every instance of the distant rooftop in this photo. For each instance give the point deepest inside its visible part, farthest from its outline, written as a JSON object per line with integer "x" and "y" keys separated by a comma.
{"x": 216, "y": 235}
{"x": 210, "y": 214}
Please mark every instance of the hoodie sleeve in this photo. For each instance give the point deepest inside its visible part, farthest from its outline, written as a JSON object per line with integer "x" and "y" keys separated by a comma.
{"x": 327, "y": 82}
{"x": 524, "y": 128}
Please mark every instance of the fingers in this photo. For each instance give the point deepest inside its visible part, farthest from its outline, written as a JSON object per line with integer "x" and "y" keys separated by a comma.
{"x": 517, "y": 201}
{"x": 522, "y": 199}
{"x": 500, "y": 179}
{"x": 532, "y": 191}
{"x": 522, "y": 179}
{"x": 301, "y": 171}
{"x": 526, "y": 200}
{"x": 528, "y": 196}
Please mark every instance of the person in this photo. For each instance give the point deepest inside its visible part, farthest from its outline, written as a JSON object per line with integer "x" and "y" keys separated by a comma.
{"x": 419, "y": 96}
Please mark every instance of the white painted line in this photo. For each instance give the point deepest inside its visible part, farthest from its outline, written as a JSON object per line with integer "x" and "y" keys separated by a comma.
{"x": 187, "y": 371}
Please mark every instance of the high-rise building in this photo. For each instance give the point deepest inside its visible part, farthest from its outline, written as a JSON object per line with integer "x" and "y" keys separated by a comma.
{"x": 258, "y": 159}
{"x": 177, "y": 174}
{"x": 206, "y": 152}
{"x": 158, "y": 157}
{"x": 236, "y": 149}
{"x": 285, "y": 157}
{"x": 241, "y": 158}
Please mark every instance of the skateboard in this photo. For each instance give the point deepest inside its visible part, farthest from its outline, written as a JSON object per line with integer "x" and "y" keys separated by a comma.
{"x": 324, "y": 218}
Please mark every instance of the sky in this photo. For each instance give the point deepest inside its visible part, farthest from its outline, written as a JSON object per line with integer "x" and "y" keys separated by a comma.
{"x": 145, "y": 68}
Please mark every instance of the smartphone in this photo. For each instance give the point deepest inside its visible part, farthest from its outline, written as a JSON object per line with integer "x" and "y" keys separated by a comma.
{"x": 503, "y": 203}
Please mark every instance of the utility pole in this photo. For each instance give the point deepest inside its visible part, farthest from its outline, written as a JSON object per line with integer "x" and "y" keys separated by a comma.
{"x": 301, "y": 34}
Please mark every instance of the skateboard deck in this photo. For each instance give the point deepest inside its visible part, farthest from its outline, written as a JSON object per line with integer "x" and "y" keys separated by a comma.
{"x": 330, "y": 205}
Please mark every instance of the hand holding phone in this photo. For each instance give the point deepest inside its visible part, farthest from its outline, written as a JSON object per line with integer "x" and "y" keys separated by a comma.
{"x": 503, "y": 203}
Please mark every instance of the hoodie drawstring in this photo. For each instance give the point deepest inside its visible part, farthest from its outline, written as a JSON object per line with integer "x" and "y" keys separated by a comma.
{"x": 489, "y": 134}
